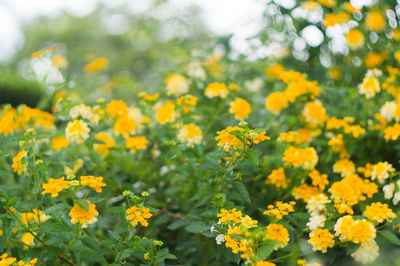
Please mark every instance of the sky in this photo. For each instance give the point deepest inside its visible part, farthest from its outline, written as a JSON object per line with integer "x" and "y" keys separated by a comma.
{"x": 242, "y": 20}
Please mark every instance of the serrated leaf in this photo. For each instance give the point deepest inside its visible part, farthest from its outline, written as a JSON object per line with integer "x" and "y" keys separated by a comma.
{"x": 244, "y": 194}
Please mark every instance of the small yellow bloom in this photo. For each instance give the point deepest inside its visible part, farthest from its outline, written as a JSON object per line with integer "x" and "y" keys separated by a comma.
{"x": 17, "y": 165}
{"x": 138, "y": 215}
{"x": 54, "y": 186}
{"x": 216, "y": 89}
{"x": 240, "y": 108}
{"x": 95, "y": 182}
{"x": 80, "y": 215}
{"x": 96, "y": 65}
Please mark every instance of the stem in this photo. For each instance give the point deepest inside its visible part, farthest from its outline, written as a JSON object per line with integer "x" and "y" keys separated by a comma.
{"x": 73, "y": 240}
{"x": 61, "y": 257}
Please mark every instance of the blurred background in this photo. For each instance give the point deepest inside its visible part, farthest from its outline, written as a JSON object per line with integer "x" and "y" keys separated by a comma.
{"x": 145, "y": 40}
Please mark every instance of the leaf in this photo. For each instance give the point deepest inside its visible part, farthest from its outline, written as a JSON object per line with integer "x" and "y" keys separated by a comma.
{"x": 56, "y": 209}
{"x": 209, "y": 164}
{"x": 197, "y": 227}
{"x": 117, "y": 209}
{"x": 244, "y": 194}
{"x": 177, "y": 224}
{"x": 391, "y": 237}
{"x": 254, "y": 156}
{"x": 83, "y": 204}
{"x": 264, "y": 252}
{"x": 209, "y": 214}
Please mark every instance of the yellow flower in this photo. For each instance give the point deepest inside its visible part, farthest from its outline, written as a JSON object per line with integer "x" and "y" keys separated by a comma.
{"x": 327, "y": 3}
{"x": 375, "y": 21}
{"x": 166, "y": 113}
{"x": 315, "y": 113}
{"x": 186, "y": 101}
{"x": 17, "y": 165}
{"x": 392, "y": 132}
{"x": 345, "y": 167}
{"x": 149, "y": 97}
{"x": 7, "y": 123}
{"x": 229, "y": 216}
{"x": 278, "y": 232}
{"x": 235, "y": 87}
{"x": 216, "y": 89}
{"x": 96, "y": 65}
{"x": 28, "y": 239}
{"x": 5, "y": 260}
{"x": 318, "y": 180}
{"x": 280, "y": 209}
{"x": 321, "y": 239}
{"x": 107, "y": 140}
{"x": 77, "y": 131}
{"x": 274, "y": 71}
{"x": 29, "y": 263}
{"x": 54, "y": 186}
{"x": 305, "y": 192}
{"x": 95, "y": 182}
{"x": 356, "y": 231}
{"x": 124, "y": 126}
{"x": 277, "y": 178}
{"x": 351, "y": 190}
{"x": 355, "y": 39}
{"x": 59, "y": 143}
{"x": 136, "y": 143}
{"x": 332, "y": 19}
{"x": 138, "y": 215}
{"x": 379, "y": 212}
{"x": 240, "y": 108}
{"x": 59, "y": 61}
{"x": 117, "y": 108}
{"x": 227, "y": 140}
{"x": 373, "y": 60}
{"x": 369, "y": 87}
{"x": 176, "y": 84}
{"x": 80, "y": 215}
{"x": 265, "y": 263}
{"x": 275, "y": 102}
{"x": 381, "y": 171}
{"x": 190, "y": 134}
{"x": 304, "y": 157}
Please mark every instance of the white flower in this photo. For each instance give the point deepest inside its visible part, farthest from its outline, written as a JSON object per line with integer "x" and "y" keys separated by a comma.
{"x": 254, "y": 85}
{"x": 388, "y": 190}
{"x": 396, "y": 198}
{"x": 195, "y": 70}
{"x": 81, "y": 110}
{"x": 387, "y": 110}
{"x": 220, "y": 239}
{"x": 367, "y": 252}
{"x": 316, "y": 221}
{"x": 381, "y": 171}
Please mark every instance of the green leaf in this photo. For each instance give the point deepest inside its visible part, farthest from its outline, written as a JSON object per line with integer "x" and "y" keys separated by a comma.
{"x": 209, "y": 164}
{"x": 391, "y": 237}
{"x": 197, "y": 227}
{"x": 244, "y": 194}
{"x": 264, "y": 252}
{"x": 177, "y": 224}
{"x": 254, "y": 156}
{"x": 83, "y": 204}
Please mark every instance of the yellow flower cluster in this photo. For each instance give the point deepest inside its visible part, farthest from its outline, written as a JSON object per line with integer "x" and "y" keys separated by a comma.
{"x": 278, "y": 232}
{"x": 379, "y": 212}
{"x": 304, "y": 157}
{"x": 94, "y": 182}
{"x": 229, "y": 216}
{"x": 277, "y": 178}
{"x": 18, "y": 165}
{"x": 138, "y": 215}
{"x": 228, "y": 140}
{"x": 298, "y": 85}
{"x": 82, "y": 216}
{"x": 216, "y": 89}
{"x": 302, "y": 135}
{"x": 96, "y": 65}
{"x": 5, "y": 260}
{"x": 280, "y": 209}
{"x": 240, "y": 108}
{"x": 356, "y": 231}
{"x": 190, "y": 134}
{"x": 350, "y": 191}
{"x": 55, "y": 186}
{"x": 321, "y": 239}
